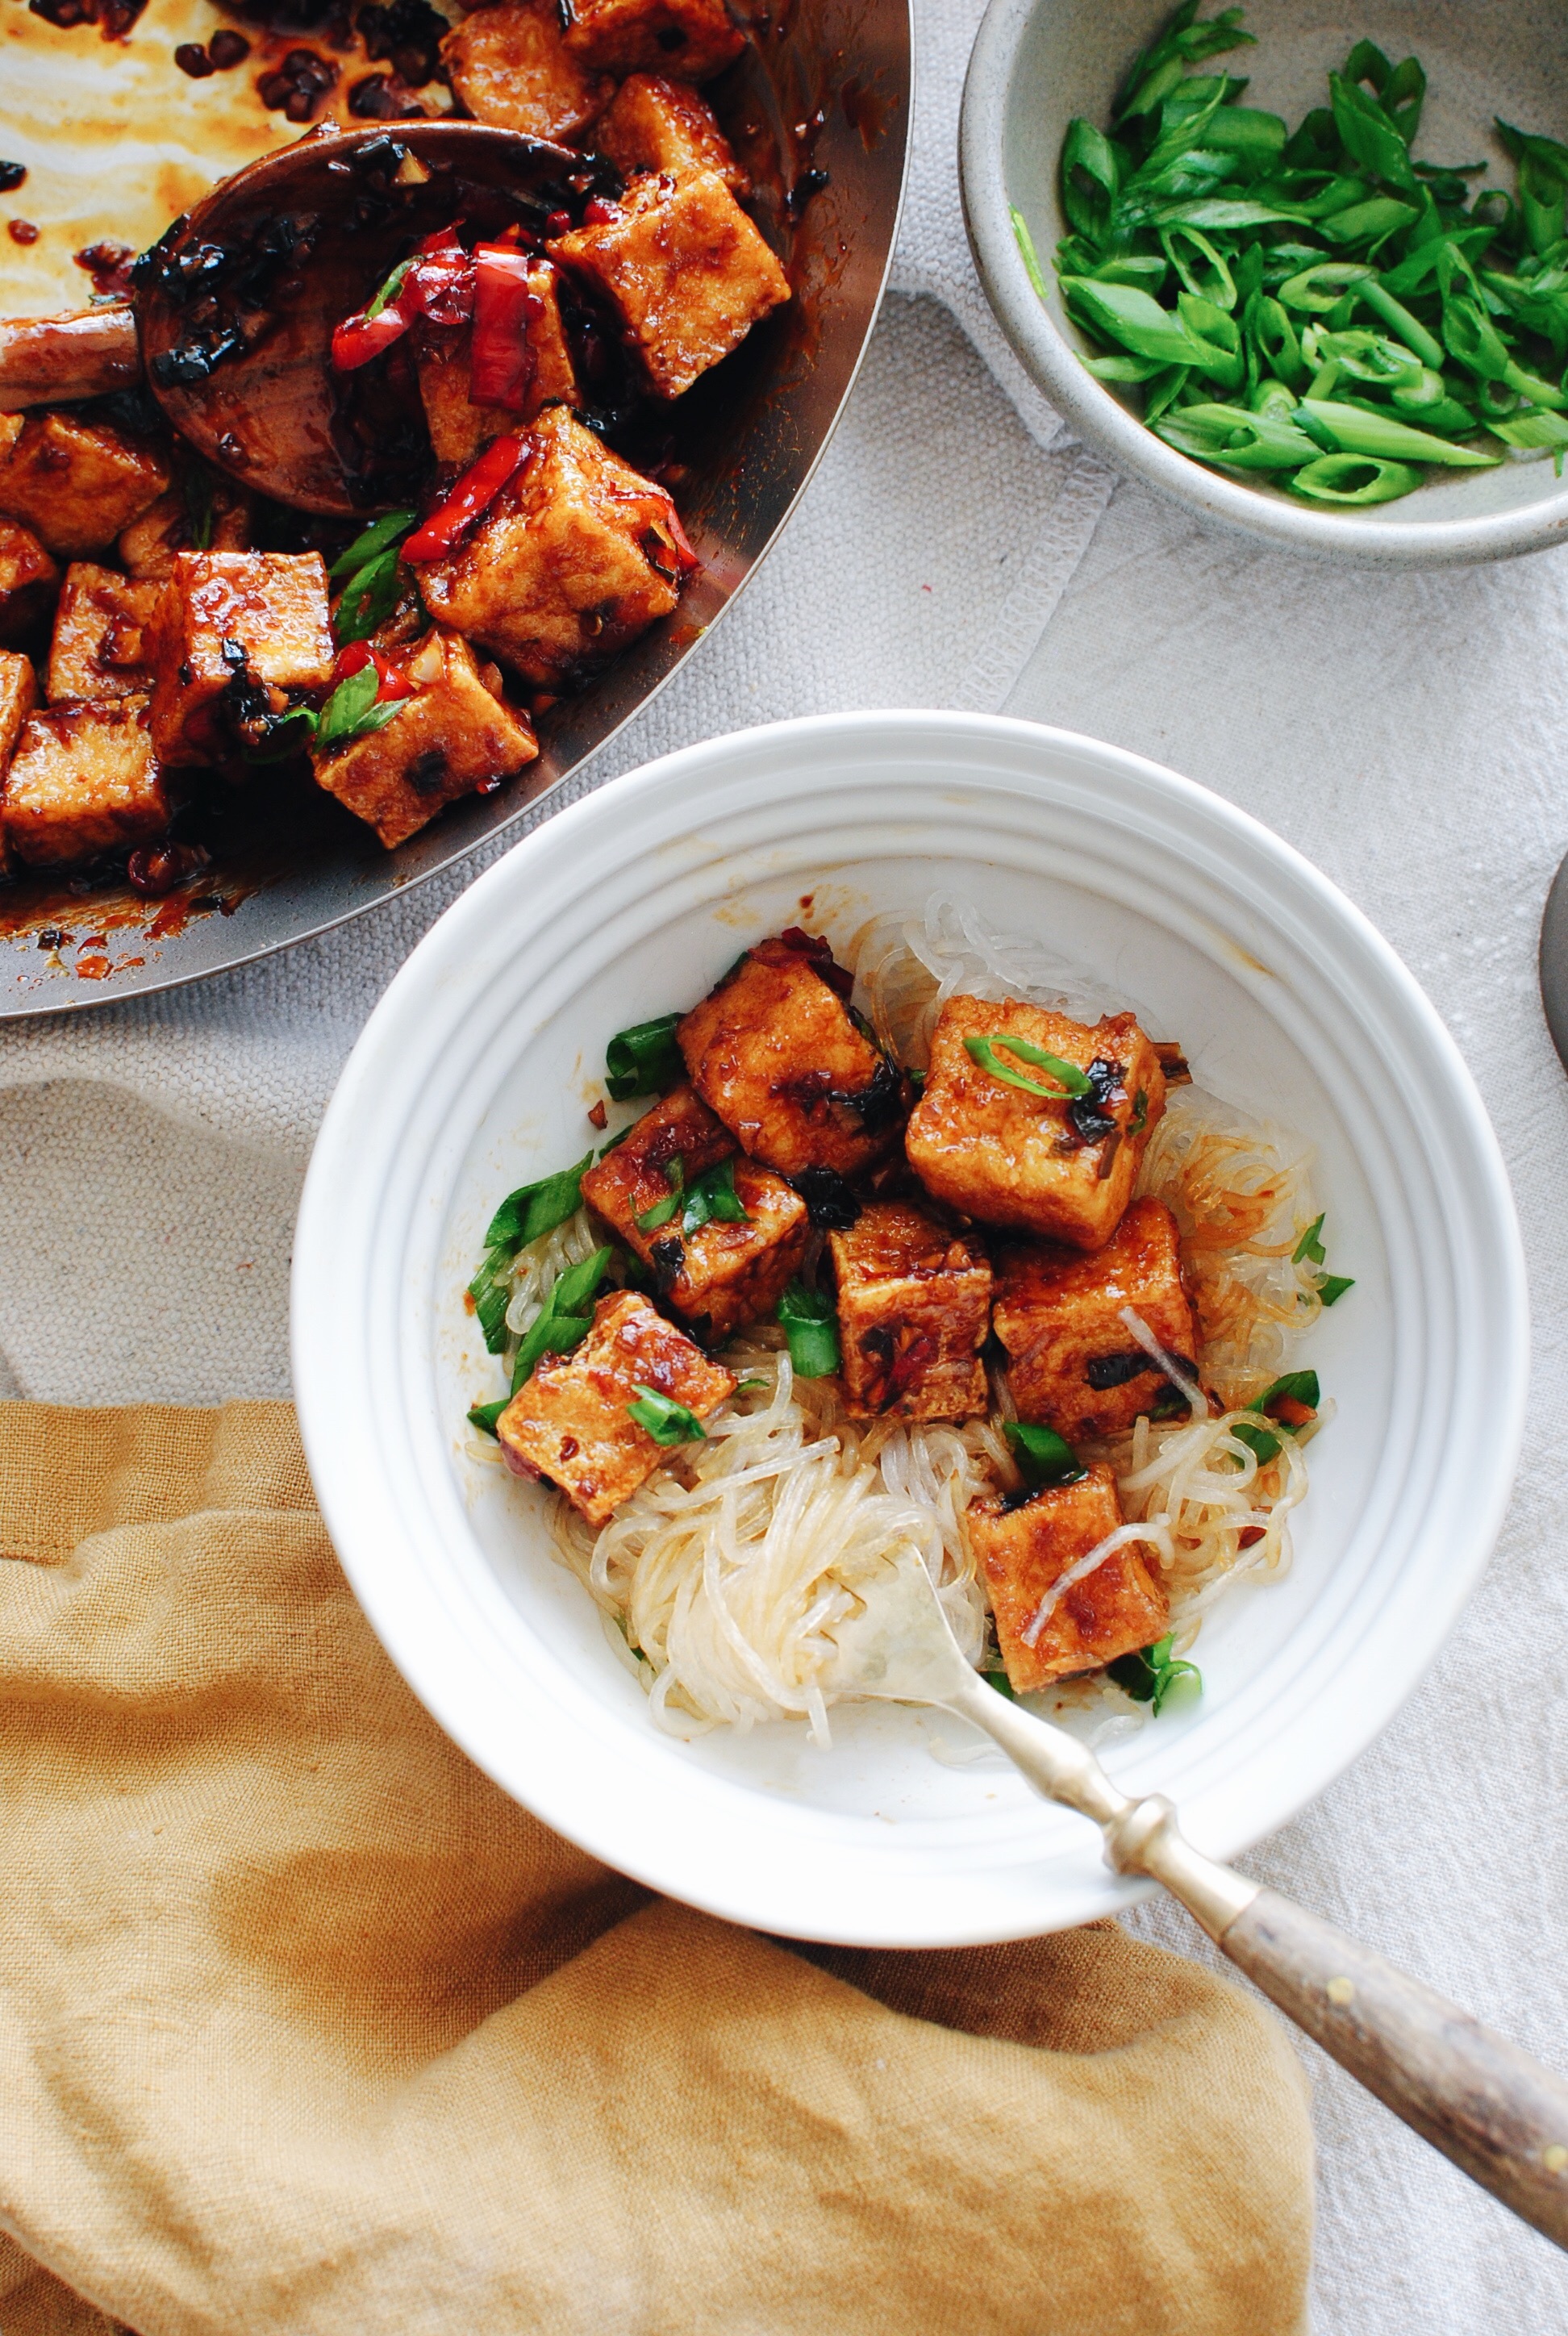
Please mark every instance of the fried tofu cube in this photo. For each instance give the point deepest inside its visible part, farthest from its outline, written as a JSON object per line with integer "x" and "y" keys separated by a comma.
{"x": 1024, "y": 1547}
{"x": 568, "y": 1421}
{"x": 83, "y": 779}
{"x": 77, "y": 484}
{"x": 654, "y": 125}
{"x": 685, "y": 270}
{"x": 452, "y": 737}
{"x": 29, "y": 580}
{"x": 1045, "y": 1163}
{"x": 511, "y": 68}
{"x": 148, "y": 545}
{"x": 564, "y": 569}
{"x": 272, "y": 604}
{"x": 776, "y": 1052}
{"x": 18, "y": 696}
{"x": 693, "y": 38}
{"x": 722, "y": 1274}
{"x": 1072, "y": 1362}
{"x": 459, "y": 428}
{"x": 97, "y": 651}
{"x": 914, "y": 1307}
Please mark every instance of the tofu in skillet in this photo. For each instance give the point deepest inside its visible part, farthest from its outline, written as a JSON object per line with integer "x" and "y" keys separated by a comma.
{"x": 459, "y": 428}
{"x": 98, "y": 646}
{"x": 686, "y": 269}
{"x": 453, "y": 735}
{"x": 571, "y": 562}
{"x": 513, "y": 69}
{"x": 83, "y": 779}
{"x": 29, "y": 581}
{"x": 654, "y": 124}
{"x": 77, "y": 484}
{"x": 693, "y": 38}
{"x": 256, "y": 619}
{"x": 1047, "y": 1163}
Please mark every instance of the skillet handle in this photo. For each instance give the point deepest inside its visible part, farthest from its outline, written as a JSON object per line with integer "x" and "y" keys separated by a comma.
{"x": 1482, "y": 2101}
{"x": 1478, "y": 2099}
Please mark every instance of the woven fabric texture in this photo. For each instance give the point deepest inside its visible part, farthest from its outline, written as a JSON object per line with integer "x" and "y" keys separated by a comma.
{"x": 306, "y": 2028}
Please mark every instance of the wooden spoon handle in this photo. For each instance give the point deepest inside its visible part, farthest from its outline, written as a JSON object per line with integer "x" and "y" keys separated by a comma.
{"x": 1476, "y": 2097}
{"x": 82, "y": 356}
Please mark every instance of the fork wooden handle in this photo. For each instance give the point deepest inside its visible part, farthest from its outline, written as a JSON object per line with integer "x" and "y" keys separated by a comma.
{"x": 1476, "y": 2097}
{"x": 1481, "y": 2100}
{"x": 1473, "y": 2095}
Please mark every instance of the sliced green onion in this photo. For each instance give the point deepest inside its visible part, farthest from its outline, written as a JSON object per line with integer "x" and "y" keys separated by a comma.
{"x": 1298, "y": 1387}
{"x": 562, "y": 1324}
{"x": 1356, "y": 431}
{"x": 1154, "y": 1676}
{"x": 536, "y": 1209}
{"x": 382, "y": 533}
{"x": 391, "y": 289}
{"x": 1070, "y": 1080}
{"x": 712, "y": 1197}
{"x": 661, "y": 1211}
{"x": 645, "y": 1059}
{"x": 1354, "y": 479}
{"x": 1310, "y": 1247}
{"x": 354, "y": 710}
{"x": 1027, "y": 252}
{"x": 1044, "y": 1457}
{"x": 483, "y": 1415}
{"x": 1333, "y": 1286}
{"x": 665, "y": 1421}
{"x": 810, "y": 1324}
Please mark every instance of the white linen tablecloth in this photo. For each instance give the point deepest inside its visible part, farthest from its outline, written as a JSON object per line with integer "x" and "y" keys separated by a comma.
{"x": 1405, "y": 732}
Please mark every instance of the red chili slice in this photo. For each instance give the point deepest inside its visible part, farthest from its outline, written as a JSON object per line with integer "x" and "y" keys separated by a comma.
{"x": 503, "y": 360}
{"x": 362, "y": 337}
{"x": 392, "y": 682}
{"x": 474, "y": 492}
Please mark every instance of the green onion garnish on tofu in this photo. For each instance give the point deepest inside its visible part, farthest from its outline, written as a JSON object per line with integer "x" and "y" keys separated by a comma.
{"x": 810, "y": 1321}
{"x": 1044, "y": 1457}
{"x": 665, "y": 1421}
{"x": 1154, "y": 1675}
{"x": 1070, "y": 1080}
{"x": 354, "y": 709}
{"x": 712, "y": 1197}
{"x": 661, "y": 1211}
{"x": 708, "y": 1196}
{"x": 645, "y": 1059}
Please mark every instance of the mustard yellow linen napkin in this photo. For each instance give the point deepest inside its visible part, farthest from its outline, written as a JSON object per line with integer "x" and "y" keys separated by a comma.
{"x": 307, "y": 2030}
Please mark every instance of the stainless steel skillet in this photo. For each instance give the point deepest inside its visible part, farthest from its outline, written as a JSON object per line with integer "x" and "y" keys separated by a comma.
{"x": 758, "y": 429}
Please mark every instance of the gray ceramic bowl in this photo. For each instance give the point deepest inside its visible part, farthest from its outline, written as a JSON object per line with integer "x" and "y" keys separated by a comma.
{"x": 1037, "y": 64}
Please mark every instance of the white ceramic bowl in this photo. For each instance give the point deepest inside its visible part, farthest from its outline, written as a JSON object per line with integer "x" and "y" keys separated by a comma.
{"x": 472, "y": 1074}
{"x": 1037, "y": 64}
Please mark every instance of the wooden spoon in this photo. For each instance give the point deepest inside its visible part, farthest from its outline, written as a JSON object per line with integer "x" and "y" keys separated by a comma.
{"x": 1482, "y": 2102}
{"x": 276, "y": 257}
